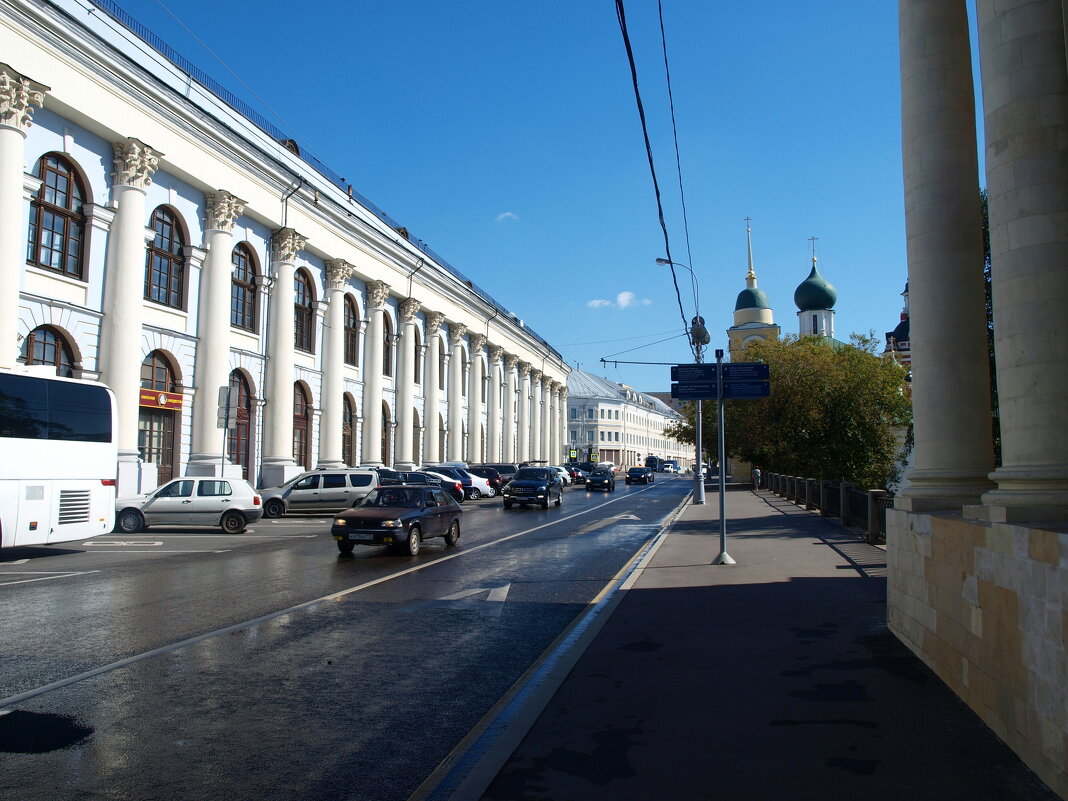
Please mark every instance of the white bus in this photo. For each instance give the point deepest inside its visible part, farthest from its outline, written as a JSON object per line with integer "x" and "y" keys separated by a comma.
{"x": 58, "y": 459}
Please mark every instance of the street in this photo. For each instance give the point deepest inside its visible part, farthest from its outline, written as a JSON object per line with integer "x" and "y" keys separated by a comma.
{"x": 176, "y": 664}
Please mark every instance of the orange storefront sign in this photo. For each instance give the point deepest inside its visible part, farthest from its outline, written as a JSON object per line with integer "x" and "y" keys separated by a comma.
{"x": 155, "y": 399}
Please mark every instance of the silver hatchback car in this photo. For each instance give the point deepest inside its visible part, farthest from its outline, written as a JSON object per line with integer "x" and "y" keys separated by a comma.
{"x": 229, "y": 503}
{"x": 320, "y": 491}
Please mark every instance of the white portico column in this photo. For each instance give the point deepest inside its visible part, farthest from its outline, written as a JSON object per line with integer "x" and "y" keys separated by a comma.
{"x": 494, "y": 412}
{"x": 523, "y": 415}
{"x": 409, "y": 311}
{"x": 561, "y": 420}
{"x": 536, "y": 414}
{"x": 548, "y": 451}
{"x": 950, "y": 374}
{"x": 1025, "y": 93}
{"x": 120, "y": 334}
{"x": 432, "y": 389}
{"x": 474, "y": 401}
{"x": 377, "y": 292}
{"x": 508, "y": 409}
{"x": 18, "y": 96}
{"x": 455, "y": 450}
{"x": 278, "y": 464}
{"x": 213, "y": 334}
{"x": 332, "y": 402}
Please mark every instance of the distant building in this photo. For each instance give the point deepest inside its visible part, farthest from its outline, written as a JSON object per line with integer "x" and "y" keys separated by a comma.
{"x": 898, "y": 344}
{"x": 610, "y": 422}
{"x": 815, "y": 298}
{"x": 753, "y": 318}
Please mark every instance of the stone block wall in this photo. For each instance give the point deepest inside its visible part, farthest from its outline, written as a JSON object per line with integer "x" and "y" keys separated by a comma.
{"x": 985, "y": 605}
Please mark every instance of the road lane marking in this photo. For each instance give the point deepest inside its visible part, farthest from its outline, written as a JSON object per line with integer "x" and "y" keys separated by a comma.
{"x": 247, "y": 624}
{"x": 120, "y": 542}
{"x": 42, "y": 575}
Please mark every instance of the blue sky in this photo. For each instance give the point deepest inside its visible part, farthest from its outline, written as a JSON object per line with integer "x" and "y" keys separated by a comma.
{"x": 505, "y": 135}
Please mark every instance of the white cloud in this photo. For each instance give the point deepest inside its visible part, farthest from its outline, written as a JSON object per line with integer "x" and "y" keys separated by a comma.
{"x": 507, "y": 215}
{"x": 624, "y": 300}
{"x": 598, "y": 304}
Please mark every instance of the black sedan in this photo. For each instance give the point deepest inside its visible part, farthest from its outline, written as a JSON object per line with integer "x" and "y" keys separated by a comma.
{"x": 640, "y": 475}
{"x": 601, "y": 479}
{"x": 540, "y": 485}
{"x": 401, "y": 516}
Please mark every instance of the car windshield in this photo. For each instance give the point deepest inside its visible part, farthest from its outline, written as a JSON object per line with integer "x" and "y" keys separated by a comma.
{"x": 531, "y": 474}
{"x": 394, "y": 496}
{"x": 637, "y": 471}
{"x": 600, "y": 474}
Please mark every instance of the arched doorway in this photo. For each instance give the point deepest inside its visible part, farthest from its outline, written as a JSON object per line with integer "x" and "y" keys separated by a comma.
{"x": 302, "y": 412}
{"x": 157, "y": 421}
{"x": 239, "y": 440}
{"x": 387, "y": 430}
{"x": 348, "y": 431}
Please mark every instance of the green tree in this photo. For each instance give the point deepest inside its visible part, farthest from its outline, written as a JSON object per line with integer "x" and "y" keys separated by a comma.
{"x": 835, "y": 412}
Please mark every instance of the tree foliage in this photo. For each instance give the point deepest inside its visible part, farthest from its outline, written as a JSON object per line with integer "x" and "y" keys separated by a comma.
{"x": 835, "y": 412}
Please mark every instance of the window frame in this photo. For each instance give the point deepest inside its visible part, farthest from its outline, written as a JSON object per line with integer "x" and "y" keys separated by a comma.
{"x": 71, "y": 213}
{"x": 303, "y": 312}
{"x": 165, "y": 261}
{"x": 244, "y": 289}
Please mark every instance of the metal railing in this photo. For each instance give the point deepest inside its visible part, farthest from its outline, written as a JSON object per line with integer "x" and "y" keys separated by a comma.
{"x": 854, "y": 507}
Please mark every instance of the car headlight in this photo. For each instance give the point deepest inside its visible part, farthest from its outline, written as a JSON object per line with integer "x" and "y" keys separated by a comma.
{"x": 392, "y": 524}
{"x": 340, "y": 521}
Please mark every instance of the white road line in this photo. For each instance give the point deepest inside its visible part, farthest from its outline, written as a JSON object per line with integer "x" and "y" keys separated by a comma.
{"x": 337, "y": 596}
{"x": 42, "y": 576}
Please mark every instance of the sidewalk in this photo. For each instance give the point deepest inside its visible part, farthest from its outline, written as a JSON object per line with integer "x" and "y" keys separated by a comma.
{"x": 774, "y": 678}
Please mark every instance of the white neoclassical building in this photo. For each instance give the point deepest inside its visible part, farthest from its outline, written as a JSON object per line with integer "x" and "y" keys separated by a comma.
{"x": 157, "y": 235}
{"x": 610, "y": 422}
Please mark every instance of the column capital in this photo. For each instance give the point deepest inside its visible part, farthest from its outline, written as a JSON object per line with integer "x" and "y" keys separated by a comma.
{"x": 478, "y": 342}
{"x": 222, "y": 210}
{"x": 456, "y": 334}
{"x": 338, "y": 271}
{"x": 510, "y": 361}
{"x": 18, "y": 96}
{"x": 495, "y": 353}
{"x": 524, "y": 369}
{"x": 377, "y": 292}
{"x": 135, "y": 162}
{"x": 285, "y": 245}
{"x": 434, "y": 321}
{"x": 409, "y": 310}
{"x": 536, "y": 375}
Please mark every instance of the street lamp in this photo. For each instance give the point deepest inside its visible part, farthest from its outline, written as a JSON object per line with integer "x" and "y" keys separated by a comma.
{"x": 699, "y": 337}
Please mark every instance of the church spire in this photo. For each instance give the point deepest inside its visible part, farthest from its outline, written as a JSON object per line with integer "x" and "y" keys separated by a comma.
{"x": 750, "y": 277}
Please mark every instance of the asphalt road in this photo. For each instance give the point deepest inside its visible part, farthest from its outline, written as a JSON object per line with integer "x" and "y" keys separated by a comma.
{"x": 189, "y": 664}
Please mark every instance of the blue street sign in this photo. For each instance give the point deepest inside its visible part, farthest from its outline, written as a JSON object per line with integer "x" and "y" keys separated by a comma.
{"x": 704, "y": 390}
{"x": 746, "y": 389}
{"x": 746, "y": 371}
{"x": 693, "y": 373}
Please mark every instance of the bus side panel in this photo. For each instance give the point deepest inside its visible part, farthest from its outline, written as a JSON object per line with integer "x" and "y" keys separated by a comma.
{"x": 9, "y": 505}
{"x": 35, "y": 512}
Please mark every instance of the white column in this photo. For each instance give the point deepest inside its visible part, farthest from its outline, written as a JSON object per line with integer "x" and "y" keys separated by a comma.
{"x": 120, "y": 334}
{"x": 950, "y": 376}
{"x": 278, "y": 464}
{"x": 377, "y": 292}
{"x": 332, "y": 401}
{"x": 523, "y": 415}
{"x": 18, "y": 96}
{"x": 474, "y": 401}
{"x": 536, "y": 413}
{"x": 432, "y": 390}
{"x": 409, "y": 311}
{"x": 213, "y": 333}
{"x": 1025, "y": 93}
{"x": 548, "y": 452}
{"x": 508, "y": 411}
{"x": 561, "y": 421}
{"x": 455, "y": 450}
{"x": 494, "y": 412}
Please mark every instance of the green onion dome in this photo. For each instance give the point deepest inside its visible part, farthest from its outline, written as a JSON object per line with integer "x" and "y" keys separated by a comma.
{"x": 751, "y": 298}
{"x": 815, "y": 292}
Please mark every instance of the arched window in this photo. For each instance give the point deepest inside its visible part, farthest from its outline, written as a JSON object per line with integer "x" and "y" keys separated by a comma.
{"x": 348, "y": 431}
{"x": 156, "y": 429}
{"x": 441, "y": 363}
{"x": 417, "y": 358}
{"x": 165, "y": 268}
{"x": 301, "y": 426}
{"x": 239, "y": 438}
{"x": 45, "y": 345}
{"x": 387, "y": 429}
{"x": 57, "y": 225}
{"x": 303, "y": 313}
{"x": 243, "y": 304}
{"x": 352, "y": 333}
{"x": 387, "y": 345}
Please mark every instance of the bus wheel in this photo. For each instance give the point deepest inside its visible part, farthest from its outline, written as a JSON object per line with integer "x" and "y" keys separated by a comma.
{"x": 130, "y": 521}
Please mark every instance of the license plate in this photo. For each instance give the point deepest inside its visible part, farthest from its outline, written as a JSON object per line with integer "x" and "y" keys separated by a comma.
{"x": 362, "y": 537}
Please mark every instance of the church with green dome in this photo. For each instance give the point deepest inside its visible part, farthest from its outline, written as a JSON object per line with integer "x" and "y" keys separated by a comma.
{"x": 753, "y": 318}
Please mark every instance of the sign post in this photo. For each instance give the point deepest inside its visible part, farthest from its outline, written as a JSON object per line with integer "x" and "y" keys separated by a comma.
{"x": 227, "y": 420}
{"x": 724, "y": 558}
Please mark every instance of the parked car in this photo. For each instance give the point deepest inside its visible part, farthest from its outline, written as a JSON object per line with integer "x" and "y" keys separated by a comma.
{"x": 609, "y": 466}
{"x": 578, "y": 475}
{"x": 323, "y": 490}
{"x": 601, "y": 478}
{"x": 474, "y": 486}
{"x": 418, "y": 478}
{"x": 495, "y": 479}
{"x": 587, "y": 467}
{"x": 506, "y": 469}
{"x": 640, "y": 475}
{"x": 540, "y": 485}
{"x": 399, "y": 515}
{"x": 451, "y": 485}
{"x": 229, "y": 503}
{"x": 564, "y": 475}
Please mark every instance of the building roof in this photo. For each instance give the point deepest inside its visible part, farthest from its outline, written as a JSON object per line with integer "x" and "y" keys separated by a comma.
{"x": 815, "y": 292}
{"x": 752, "y": 298}
{"x": 581, "y": 384}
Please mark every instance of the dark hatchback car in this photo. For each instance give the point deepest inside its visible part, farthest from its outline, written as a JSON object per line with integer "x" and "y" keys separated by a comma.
{"x": 640, "y": 475}
{"x": 493, "y": 476}
{"x": 600, "y": 478}
{"x": 578, "y": 475}
{"x": 400, "y": 515}
{"x": 540, "y": 485}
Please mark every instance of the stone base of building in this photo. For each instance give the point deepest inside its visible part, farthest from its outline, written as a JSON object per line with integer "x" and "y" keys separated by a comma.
{"x": 215, "y": 466}
{"x": 985, "y": 605}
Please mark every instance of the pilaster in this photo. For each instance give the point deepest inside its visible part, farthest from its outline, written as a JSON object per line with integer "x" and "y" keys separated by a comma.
{"x": 377, "y": 293}
{"x": 432, "y": 390}
{"x": 331, "y": 452}
{"x": 456, "y": 381}
{"x": 409, "y": 311}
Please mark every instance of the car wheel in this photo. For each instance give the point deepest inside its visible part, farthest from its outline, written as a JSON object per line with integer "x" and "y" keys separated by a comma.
{"x": 130, "y": 521}
{"x": 545, "y": 503}
{"x": 345, "y": 547}
{"x": 232, "y": 523}
{"x": 274, "y": 508}
{"x": 476, "y": 493}
{"x": 411, "y": 545}
{"x": 492, "y": 492}
{"x": 507, "y": 504}
{"x": 453, "y": 534}
{"x": 560, "y": 498}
